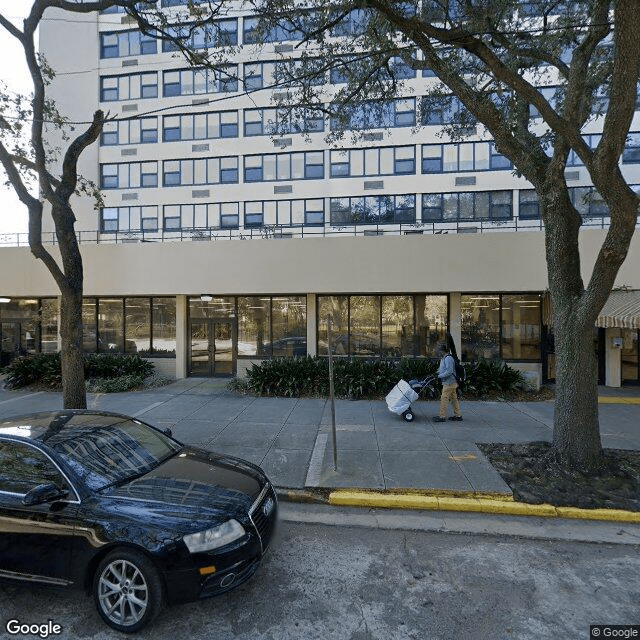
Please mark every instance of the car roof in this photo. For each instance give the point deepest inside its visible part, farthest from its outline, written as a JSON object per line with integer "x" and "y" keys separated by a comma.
{"x": 45, "y": 425}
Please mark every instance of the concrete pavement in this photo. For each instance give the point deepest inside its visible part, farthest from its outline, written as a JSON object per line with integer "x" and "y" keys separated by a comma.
{"x": 378, "y": 454}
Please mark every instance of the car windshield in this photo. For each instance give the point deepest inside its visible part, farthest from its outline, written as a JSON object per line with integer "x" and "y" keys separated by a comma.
{"x": 103, "y": 453}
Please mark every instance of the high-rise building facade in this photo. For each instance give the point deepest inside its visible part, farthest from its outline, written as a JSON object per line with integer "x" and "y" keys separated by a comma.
{"x": 219, "y": 244}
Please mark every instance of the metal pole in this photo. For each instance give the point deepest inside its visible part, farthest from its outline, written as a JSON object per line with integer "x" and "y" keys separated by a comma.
{"x": 332, "y": 396}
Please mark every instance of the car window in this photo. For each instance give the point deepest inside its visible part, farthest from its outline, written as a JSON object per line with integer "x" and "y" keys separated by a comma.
{"x": 23, "y": 467}
{"x": 102, "y": 455}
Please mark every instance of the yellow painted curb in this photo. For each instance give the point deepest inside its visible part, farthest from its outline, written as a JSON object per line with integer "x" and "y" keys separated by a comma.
{"x": 617, "y": 400}
{"x": 384, "y": 500}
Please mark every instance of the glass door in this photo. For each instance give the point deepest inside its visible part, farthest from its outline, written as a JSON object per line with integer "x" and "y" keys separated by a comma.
{"x": 212, "y": 348}
{"x": 9, "y": 342}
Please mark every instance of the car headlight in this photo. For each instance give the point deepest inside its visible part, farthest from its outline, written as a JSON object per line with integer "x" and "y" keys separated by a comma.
{"x": 215, "y": 537}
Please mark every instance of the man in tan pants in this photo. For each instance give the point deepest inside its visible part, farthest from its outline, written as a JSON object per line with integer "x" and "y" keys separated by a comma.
{"x": 446, "y": 373}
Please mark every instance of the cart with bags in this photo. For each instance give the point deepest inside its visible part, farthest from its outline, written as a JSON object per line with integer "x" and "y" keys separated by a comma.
{"x": 400, "y": 398}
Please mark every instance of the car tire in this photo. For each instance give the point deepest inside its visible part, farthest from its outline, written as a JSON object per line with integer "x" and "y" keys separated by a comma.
{"x": 408, "y": 415}
{"x": 127, "y": 590}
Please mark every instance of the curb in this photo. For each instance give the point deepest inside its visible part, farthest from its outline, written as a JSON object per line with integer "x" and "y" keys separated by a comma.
{"x": 617, "y": 400}
{"x": 475, "y": 504}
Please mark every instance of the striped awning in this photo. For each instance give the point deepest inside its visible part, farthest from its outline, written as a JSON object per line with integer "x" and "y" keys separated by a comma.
{"x": 621, "y": 310}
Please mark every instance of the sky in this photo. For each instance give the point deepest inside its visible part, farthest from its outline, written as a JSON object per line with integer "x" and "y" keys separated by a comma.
{"x": 13, "y": 214}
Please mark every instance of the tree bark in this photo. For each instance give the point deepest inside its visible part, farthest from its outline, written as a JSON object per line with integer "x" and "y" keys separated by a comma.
{"x": 72, "y": 354}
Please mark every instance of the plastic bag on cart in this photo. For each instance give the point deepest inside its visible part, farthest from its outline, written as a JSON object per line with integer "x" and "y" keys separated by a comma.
{"x": 399, "y": 399}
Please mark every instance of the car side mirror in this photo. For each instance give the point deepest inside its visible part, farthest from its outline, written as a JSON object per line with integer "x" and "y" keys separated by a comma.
{"x": 43, "y": 493}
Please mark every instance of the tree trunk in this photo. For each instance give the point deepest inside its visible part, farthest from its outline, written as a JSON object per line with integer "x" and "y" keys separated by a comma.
{"x": 72, "y": 354}
{"x": 576, "y": 429}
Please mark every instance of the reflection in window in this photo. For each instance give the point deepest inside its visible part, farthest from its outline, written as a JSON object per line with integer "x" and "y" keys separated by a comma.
{"x": 110, "y": 325}
{"x": 49, "y": 325}
{"x": 23, "y": 467}
{"x": 521, "y": 325}
{"x": 383, "y": 326}
{"x": 480, "y": 327}
{"x": 364, "y": 325}
{"x": 163, "y": 326}
{"x": 629, "y": 354}
{"x": 289, "y": 322}
{"x": 137, "y": 337}
{"x": 254, "y": 326}
{"x": 335, "y": 308}
{"x": 89, "y": 325}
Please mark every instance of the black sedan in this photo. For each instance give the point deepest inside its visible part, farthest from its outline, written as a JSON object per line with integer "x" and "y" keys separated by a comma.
{"x": 104, "y": 502}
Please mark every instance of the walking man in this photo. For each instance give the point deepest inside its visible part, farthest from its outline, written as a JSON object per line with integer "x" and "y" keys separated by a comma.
{"x": 446, "y": 373}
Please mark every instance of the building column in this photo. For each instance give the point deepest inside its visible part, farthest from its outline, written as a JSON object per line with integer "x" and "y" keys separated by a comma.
{"x": 182, "y": 336}
{"x": 613, "y": 357}
{"x": 312, "y": 323}
{"x": 455, "y": 320}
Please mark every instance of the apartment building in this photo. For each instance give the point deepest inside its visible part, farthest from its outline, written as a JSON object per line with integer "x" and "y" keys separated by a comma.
{"x": 220, "y": 244}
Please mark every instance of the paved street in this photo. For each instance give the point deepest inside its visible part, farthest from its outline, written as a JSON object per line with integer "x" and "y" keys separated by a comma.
{"x": 365, "y": 583}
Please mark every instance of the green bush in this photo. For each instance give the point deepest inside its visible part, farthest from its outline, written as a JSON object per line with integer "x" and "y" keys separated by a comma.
{"x": 41, "y": 368}
{"x": 45, "y": 369}
{"x": 115, "y": 385}
{"x": 309, "y": 376}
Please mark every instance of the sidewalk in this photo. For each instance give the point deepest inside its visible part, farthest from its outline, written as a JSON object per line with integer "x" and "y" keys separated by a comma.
{"x": 292, "y": 438}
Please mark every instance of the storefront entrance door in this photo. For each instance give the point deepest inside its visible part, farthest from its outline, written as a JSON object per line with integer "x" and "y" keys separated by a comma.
{"x": 213, "y": 348}
{"x": 9, "y": 342}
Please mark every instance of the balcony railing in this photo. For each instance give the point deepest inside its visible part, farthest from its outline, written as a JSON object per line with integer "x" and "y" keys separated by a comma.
{"x": 297, "y": 231}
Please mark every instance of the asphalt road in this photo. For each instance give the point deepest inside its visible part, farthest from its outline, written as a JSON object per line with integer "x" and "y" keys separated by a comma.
{"x": 356, "y": 583}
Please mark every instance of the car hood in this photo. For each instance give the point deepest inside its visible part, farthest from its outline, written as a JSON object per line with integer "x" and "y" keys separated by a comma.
{"x": 192, "y": 484}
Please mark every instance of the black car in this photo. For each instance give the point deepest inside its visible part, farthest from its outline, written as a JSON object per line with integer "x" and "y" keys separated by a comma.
{"x": 104, "y": 502}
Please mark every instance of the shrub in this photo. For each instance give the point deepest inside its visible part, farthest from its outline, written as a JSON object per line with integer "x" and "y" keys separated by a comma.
{"x": 115, "y": 385}
{"x": 45, "y": 369}
{"x": 355, "y": 378}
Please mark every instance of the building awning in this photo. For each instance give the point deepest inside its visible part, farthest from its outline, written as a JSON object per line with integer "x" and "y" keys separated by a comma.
{"x": 621, "y": 310}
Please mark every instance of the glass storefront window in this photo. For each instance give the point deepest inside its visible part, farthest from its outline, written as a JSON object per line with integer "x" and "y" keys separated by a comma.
{"x": 49, "y": 325}
{"x": 137, "y": 322}
{"x": 110, "y": 325}
{"x": 336, "y": 307}
{"x": 364, "y": 326}
{"x": 480, "y": 327}
{"x": 215, "y": 308}
{"x": 289, "y": 325}
{"x": 521, "y": 325}
{"x": 431, "y": 324}
{"x": 397, "y": 326}
{"x": 163, "y": 327}
{"x": 20, "y": 318}
{"x": 254, "y": 326}
{"x": 89, "y": 328}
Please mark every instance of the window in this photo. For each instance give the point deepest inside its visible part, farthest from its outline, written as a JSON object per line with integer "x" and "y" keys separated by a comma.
{"x": 200, "y": 126}
{"x": 126, "y": 43}
{"x": 631, "y": 153}
{"x": 201, "y": 171}
{"x": 258, "y": 122}
{"x": 529, "y": 205}
{"x": 480, "y": 327}
{"x": 388, "y": 326}
{"x": 129, "y": 87}
{"x": 284, "y": 166}
{"x": 128, "y": 218}
{"x": 479, "y": 205}
{"x": 23, "y": 467}
{"x": 110, "y": 325}
{"x": 200, "y": 216}
{"x": 219, "y": 33}
{"x": 372, "y": 162}
{"x": 375, "y": 115}
{"x": 373, "y": 210}
{"x": 520, "y": 325}
{"x": 253, "y": 214}
{"x": 129, "y": 175}
{"x": 187, "y": 82}
{"x": 134, "y": 131}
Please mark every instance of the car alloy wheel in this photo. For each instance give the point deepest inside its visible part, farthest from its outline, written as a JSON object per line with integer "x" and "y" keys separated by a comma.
{"x": 127, "y": 590}
{"x": 408, "y": 415}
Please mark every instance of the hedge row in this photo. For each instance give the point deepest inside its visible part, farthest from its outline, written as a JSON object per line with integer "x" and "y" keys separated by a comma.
{"x": 309, "y": 376}
{"x": 45, "y": 369}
